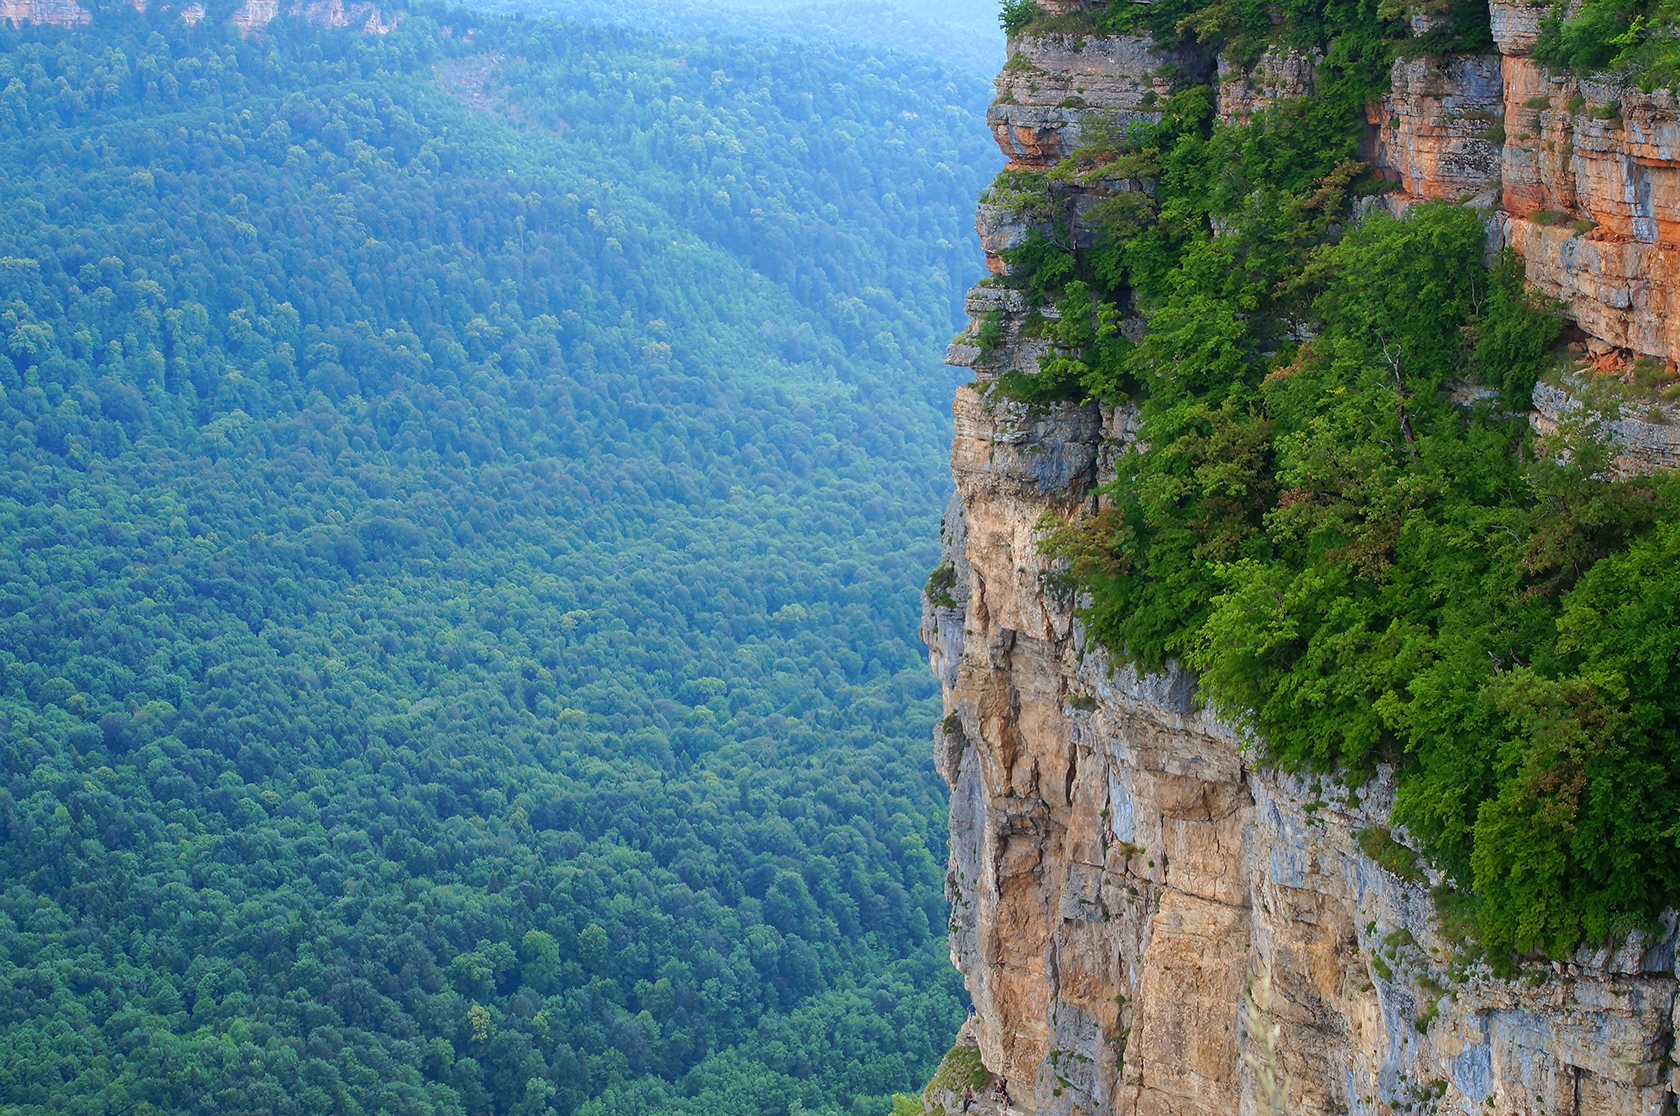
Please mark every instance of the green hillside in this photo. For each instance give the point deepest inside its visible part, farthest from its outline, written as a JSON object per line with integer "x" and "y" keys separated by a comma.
{"x": 466, "y": 495}
{"x": 963, "y": 33}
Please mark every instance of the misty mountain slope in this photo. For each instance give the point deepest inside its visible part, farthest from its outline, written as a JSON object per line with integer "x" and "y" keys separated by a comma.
{"x": 458, "y": 586}
{"x": 960, "y": 34}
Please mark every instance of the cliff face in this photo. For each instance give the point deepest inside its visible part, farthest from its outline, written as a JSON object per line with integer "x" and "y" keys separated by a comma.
{"x": 1122, "y": 875}
{"x": 58, "y": 13}
{"x": 252, "y": 16}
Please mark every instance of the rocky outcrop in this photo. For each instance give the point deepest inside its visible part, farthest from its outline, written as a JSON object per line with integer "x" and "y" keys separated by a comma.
{"x": 1121, "y": 875}
{"x": 251, "y": 17}
{"x": 1648, "y": 436}
{"x": 254, "y": 16}
{"x": 1124, "y": 879}
{"x": 1516, "y": 26}
{"x": 1052, "y": 87}
{"x": 1276, "y": 76}
{"x": 1592, "y": 201}
{"x": 58, "y": 13}
{"x": 1437, "y": 131}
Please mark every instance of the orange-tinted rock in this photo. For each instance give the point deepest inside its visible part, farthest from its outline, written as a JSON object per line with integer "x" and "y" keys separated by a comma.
{"x": 1616, "y": 288}
{"x": 1592, "y": 200}
{"x": 1052, "y": 86}
{"x": 1592, "y": 151}
{"x": 1120, "y": 874}
{"x": 58, "y": 13}
{"x": 1435, "y": 132}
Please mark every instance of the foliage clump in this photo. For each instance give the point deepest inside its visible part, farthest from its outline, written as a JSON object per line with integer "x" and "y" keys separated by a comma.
{"x": 1633, "y": 39}
{"x": 1340, "y": 516}
{"x": 939, "y": 585}
{"x": 961, "y": 1068}
{"x": 1379, "y": 844}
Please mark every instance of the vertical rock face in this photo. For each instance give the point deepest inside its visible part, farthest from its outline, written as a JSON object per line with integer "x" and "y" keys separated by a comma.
{"x": 1435, "y": 132}
{"x": 1592, "y": 201}
{"x": 1050, "y": 86}
{"x": 59, "y": 13}
{"x": 1274, "y": 77}
{"x": 252, "y": 16}
{"x": 1122, "y": 876}
{"x": 1516, "y": 25}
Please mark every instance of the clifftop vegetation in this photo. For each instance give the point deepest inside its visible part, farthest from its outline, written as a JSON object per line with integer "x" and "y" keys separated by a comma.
{"x": 1343, "y": 519}
{"x": 458, "y": 567}
{"x": 1626, "y": 39}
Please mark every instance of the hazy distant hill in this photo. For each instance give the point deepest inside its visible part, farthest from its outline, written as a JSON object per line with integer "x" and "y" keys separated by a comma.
{"x": 963, "y": 34}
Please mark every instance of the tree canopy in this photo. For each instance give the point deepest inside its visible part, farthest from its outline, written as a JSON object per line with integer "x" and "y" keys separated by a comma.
{"x": 466, "y": 494}
{"x": 1339, "y": 513}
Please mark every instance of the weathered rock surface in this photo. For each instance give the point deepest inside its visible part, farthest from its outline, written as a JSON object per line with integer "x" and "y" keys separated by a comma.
{"x": 1276, "y": 76}
{"x": 1516, "y": 25}
{"x": 1122, "y": 875}
{"x": 58, "y": 13}
{"x": 1434, "y": 133}
{"x": 1648, "y": 437}
{"x": 1053, "y": 86}
{"x": 252, "y": 16}
{"x": 1592, "y": 201}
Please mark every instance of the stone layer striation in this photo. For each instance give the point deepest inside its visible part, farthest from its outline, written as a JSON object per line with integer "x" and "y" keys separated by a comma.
{"x": 1122, "y": 876}
{"x": 252, "y": 16}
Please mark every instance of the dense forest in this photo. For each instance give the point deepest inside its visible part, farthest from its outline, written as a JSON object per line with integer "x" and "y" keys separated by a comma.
{"x": 964, "y": 34}
{"x": 466, "y": 493}
{"x": 1340, "y": 514}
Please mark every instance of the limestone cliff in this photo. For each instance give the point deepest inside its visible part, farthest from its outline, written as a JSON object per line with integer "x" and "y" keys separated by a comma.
{"x": 59, "y": 13}
{"x": 252, "y": 16}
{"x": 1122, "y": 875}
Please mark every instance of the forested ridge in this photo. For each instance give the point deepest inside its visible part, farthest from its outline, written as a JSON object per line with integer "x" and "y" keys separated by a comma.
{"x": 465, "y": 498}
{"x": 965, "y": 35}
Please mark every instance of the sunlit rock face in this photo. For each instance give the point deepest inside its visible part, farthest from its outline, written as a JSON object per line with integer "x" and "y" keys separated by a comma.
{"x": 1052, "y": 86}
{"x": 1121, "y": 873}
{"x": 1592, "y": 199}
{"x": 1434, "y": 133}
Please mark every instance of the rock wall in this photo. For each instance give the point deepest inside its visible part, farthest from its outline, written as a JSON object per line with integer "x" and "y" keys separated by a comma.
{"x": 252, "y": 16}
{"x": 58, "y": 13}
{"x": 1122, "y": 876}
{"x": 1051, "y": 86}
{"x": 1592, "y": 200}
{"x": 1435, "y": 133}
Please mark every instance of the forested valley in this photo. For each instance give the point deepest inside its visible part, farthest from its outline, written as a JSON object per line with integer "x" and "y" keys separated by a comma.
{"x": 964, "y": 33}
{"x": 465, "y": 499}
